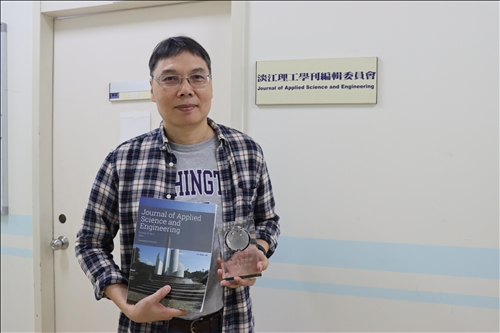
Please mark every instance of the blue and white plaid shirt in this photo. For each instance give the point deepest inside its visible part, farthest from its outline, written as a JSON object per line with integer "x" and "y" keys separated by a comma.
{"x": 146, "y": 166}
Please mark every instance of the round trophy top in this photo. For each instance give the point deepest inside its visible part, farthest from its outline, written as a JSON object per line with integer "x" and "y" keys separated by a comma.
{"x": 237, "y": 238}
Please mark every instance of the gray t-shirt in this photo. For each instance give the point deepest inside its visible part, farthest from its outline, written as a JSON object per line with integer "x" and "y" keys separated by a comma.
{"x": 198, "y": 180}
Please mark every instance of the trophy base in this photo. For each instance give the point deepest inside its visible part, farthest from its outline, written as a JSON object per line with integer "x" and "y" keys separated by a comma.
{"x": 249, "y": 276}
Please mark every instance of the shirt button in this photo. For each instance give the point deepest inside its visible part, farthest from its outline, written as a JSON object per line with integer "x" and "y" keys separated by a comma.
{"x": 171, "y": 164}
{"x": 168, "y": 196}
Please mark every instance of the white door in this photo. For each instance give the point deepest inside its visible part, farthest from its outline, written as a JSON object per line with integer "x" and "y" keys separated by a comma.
{"x": 89, "y": 53}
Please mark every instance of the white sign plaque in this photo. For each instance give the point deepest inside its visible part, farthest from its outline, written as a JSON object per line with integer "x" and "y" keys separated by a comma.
{"x": 317, "y": 81}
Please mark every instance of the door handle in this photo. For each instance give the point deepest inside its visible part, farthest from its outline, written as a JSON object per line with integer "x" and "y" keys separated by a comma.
{"x": 61, "y": 243}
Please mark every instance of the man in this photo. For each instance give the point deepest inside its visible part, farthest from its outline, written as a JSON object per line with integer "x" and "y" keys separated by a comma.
{"x": 158, "y": 164}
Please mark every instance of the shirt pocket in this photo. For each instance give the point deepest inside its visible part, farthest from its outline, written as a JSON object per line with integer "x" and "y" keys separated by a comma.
{"x": 246, "y": 195}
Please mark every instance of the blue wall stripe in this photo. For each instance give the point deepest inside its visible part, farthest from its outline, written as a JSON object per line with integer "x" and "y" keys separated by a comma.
{"x": 17, "y": 225}
{"x": 16, "y": 252}
{"x": 21, "y": 225}
{"x": 382, "y": 293}
{"x": 391, "y": 257}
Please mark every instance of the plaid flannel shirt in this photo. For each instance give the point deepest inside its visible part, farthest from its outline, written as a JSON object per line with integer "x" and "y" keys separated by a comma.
{"x": 146, "y": 166}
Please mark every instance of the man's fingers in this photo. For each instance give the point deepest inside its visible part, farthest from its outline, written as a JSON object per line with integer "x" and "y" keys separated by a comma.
{"x": 262, "y": 265}
{"x": 150, "y": 308}
{"x": 219, "y": 273}
{"x": 177, "y": 312}
{"x": 160, "y": 294}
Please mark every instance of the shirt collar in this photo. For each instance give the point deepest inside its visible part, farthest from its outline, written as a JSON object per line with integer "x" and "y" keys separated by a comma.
{"x": 217, "y": 130}
{"x": 211, "y": 123}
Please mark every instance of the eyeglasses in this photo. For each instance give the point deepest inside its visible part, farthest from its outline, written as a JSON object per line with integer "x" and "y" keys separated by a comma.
{"x": 174, "y": 81}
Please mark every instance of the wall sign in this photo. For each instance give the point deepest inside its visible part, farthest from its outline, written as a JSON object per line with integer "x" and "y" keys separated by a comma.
{"x": 317, "y": 81}
{"x": 131, "y": 90}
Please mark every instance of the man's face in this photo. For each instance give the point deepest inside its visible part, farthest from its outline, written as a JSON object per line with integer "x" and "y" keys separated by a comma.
{"x": 183, "y": 107}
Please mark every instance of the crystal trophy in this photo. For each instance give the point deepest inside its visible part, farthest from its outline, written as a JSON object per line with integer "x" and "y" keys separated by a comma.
{"x": 239, "y": 252}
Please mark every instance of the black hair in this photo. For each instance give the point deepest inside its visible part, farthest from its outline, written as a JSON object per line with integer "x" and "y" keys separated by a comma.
{"x": 174, "y": 46}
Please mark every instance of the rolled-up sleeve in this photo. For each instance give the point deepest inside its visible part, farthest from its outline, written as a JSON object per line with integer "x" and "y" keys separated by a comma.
{"x": 95, "y": 239}
{"x": 266, "y": 220}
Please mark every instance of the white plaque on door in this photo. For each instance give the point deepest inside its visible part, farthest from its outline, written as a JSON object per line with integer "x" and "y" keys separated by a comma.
{"x": 133, "y": 124}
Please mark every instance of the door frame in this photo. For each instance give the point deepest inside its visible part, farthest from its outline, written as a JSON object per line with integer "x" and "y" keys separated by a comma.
{"x": 42, "y": 153}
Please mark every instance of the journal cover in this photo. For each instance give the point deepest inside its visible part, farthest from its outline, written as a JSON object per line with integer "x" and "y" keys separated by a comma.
{"x": 172, "y": 245}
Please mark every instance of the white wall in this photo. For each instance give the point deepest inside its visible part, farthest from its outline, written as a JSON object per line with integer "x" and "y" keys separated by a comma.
{"x": 389, "y": 212}
{"x": 17, "y": 291}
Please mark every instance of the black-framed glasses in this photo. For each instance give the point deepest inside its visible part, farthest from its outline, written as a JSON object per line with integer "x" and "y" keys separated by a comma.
{"x": 170, "y": 81}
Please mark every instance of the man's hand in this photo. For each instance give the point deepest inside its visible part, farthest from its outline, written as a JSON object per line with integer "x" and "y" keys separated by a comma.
{"x": 146, "y": 310}
{"x": 261, "y": 266}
